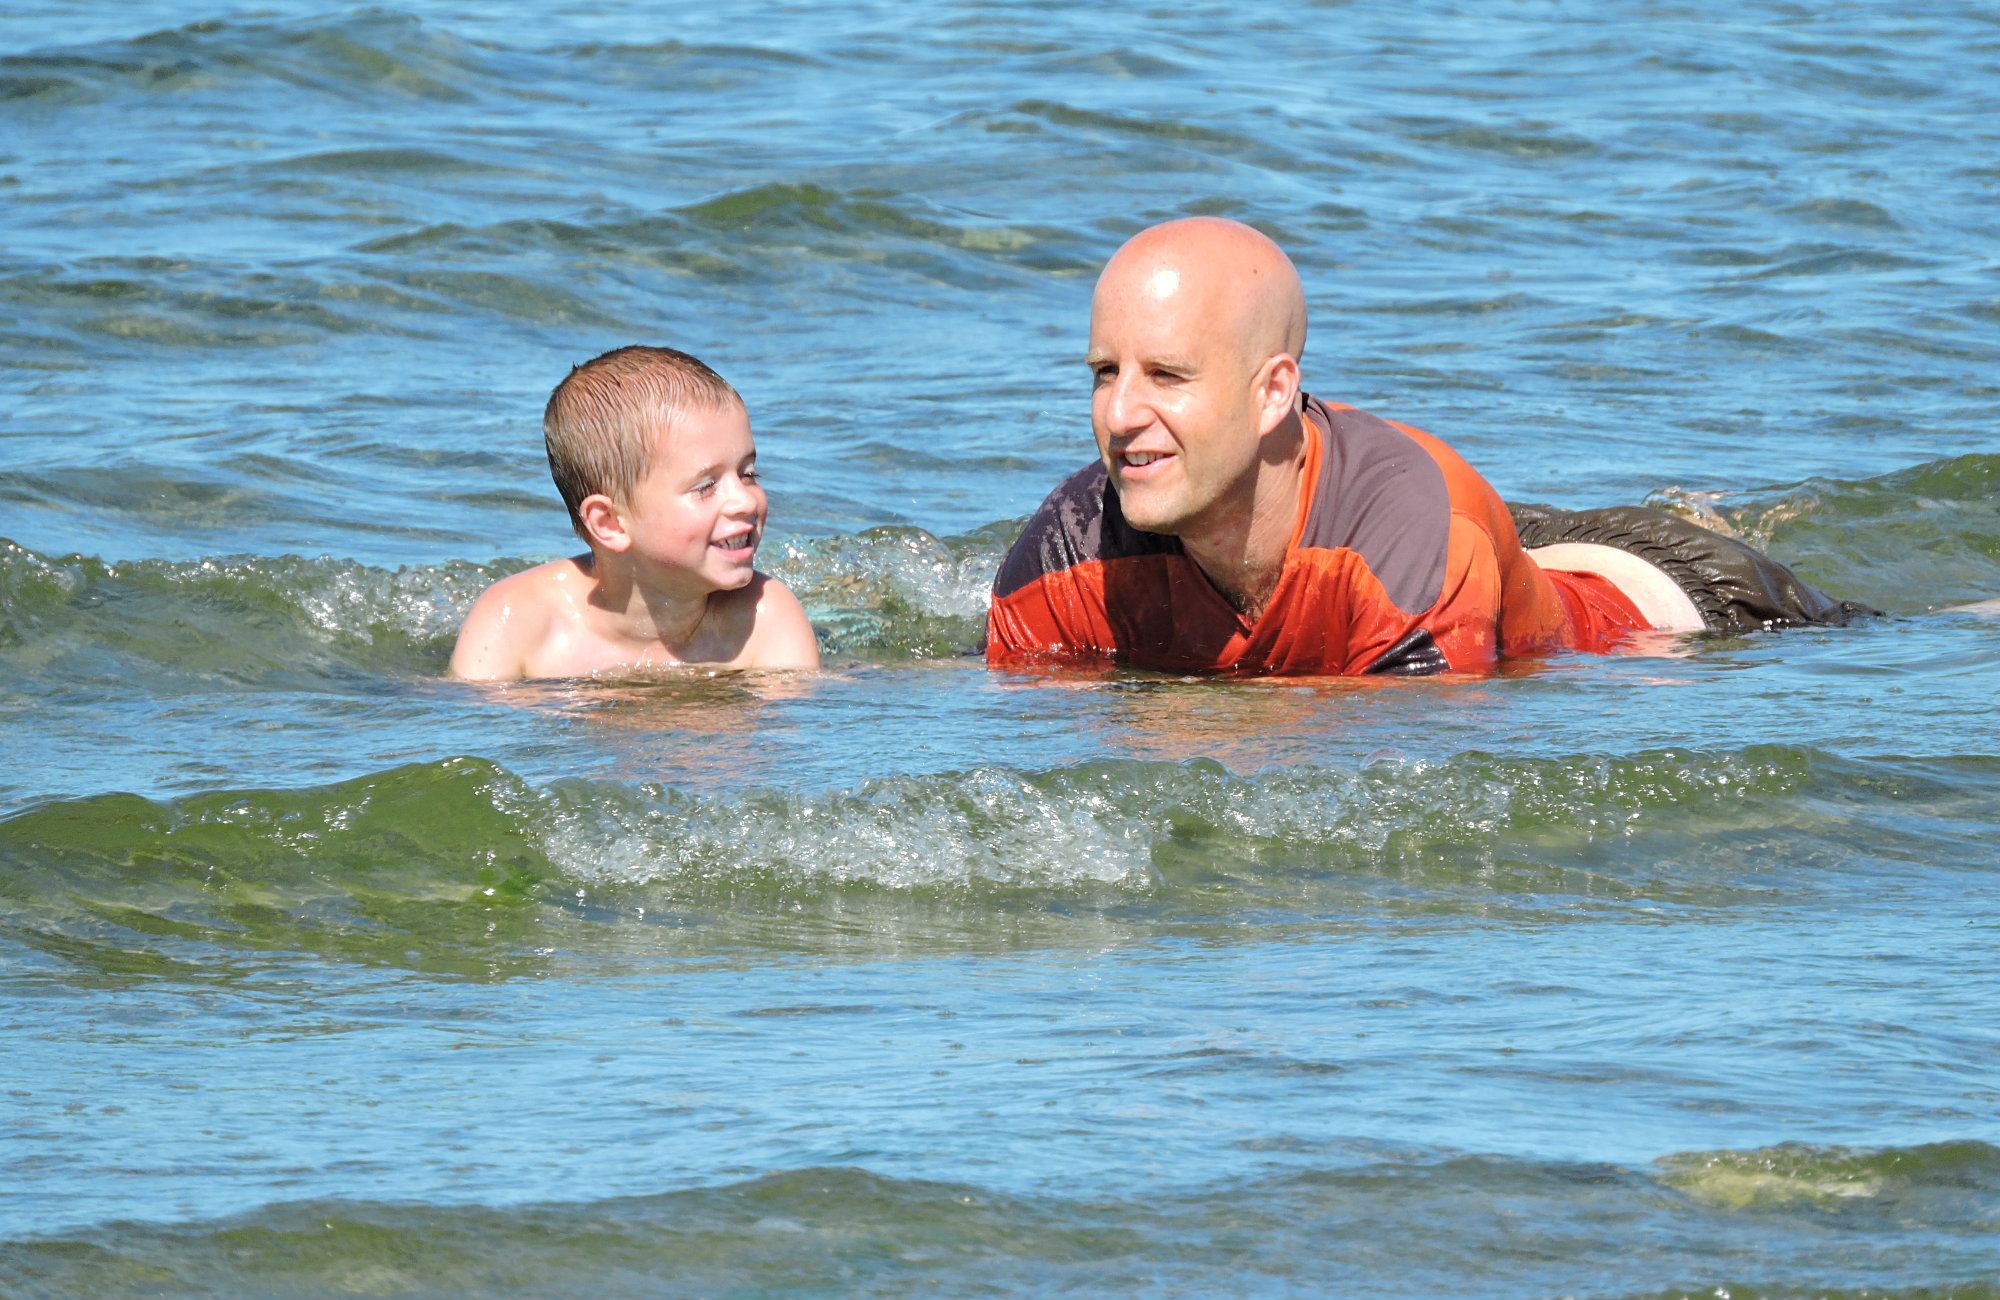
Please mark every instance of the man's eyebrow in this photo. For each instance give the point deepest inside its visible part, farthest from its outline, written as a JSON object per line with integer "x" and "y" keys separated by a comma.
{"x": 1177, "y": 364}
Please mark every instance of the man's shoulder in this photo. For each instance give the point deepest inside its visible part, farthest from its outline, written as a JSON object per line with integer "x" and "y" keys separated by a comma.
{"x": 1383, "y": 493}
{"x": 1078, "y": 523}
{"x": 1364, "y": 448}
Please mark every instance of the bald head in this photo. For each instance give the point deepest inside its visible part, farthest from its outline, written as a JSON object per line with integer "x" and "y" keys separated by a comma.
{"x": 1225, "y": 278}
{"x": 1195, "y": 333}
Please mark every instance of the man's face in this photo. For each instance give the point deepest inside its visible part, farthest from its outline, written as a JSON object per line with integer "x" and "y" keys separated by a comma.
{"x": 1171, "y": 400}
{"x": 698, "y": 513}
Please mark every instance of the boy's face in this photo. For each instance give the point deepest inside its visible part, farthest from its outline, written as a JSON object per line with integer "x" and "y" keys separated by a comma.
{"x": 699, "y": 511}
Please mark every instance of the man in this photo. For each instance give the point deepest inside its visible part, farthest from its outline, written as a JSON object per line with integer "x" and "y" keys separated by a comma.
{"x": 1236, "y": 523}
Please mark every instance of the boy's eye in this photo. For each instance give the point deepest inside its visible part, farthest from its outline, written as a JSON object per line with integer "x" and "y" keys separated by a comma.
{"x": 753, "y": 474}
{"x": 704, "y": 487}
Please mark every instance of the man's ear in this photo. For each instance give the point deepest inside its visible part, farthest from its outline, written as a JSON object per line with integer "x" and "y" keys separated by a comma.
{"x": 1276, "y": 391}
{"x": 604, "y": 522}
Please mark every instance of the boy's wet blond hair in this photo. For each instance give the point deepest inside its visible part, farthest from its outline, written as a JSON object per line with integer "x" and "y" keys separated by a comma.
{"x": 599, "y": 423}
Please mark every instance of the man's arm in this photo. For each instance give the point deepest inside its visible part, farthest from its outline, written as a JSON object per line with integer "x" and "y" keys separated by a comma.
{"x": 1048, "y": 600}
{"x": 1460, "y": 632}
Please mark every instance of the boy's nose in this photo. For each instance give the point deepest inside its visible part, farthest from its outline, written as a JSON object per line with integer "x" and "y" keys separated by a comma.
{"x": 742, "y": 497}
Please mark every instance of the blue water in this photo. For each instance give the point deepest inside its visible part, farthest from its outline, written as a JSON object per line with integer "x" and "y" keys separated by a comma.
{"x": 1655, "y": 975}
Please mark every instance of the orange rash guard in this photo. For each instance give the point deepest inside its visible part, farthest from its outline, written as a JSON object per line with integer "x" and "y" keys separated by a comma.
{"x": 1403, "y": 560}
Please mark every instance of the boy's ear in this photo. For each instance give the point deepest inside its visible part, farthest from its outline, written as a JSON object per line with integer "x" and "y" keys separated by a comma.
{"x": 604, "y": 522}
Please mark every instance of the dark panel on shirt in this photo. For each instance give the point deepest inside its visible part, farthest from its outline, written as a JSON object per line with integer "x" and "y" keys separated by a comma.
{"x": 1079, "y": 522}
{"x": 1416, "y": 655}
{"x": 1381, "y": 496}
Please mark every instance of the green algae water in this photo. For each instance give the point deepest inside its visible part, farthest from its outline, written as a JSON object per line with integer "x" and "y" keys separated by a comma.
{"x": 1659, "y": 975}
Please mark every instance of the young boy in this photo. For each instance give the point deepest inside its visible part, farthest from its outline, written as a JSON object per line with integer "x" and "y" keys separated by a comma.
{"x": 652, "y": 453}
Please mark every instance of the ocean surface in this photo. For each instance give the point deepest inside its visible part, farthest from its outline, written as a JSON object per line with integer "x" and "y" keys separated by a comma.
{"x": 1669, "y": 974}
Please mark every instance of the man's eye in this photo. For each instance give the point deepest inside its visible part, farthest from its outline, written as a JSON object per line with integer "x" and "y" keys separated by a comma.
{"x": 1102, "y": 375}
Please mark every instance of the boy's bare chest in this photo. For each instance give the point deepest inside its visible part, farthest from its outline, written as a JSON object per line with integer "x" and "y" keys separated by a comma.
{"x": 580, "y": 646}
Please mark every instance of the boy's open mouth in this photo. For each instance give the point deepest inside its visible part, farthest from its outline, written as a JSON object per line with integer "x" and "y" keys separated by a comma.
{"x": 742, "y": 543}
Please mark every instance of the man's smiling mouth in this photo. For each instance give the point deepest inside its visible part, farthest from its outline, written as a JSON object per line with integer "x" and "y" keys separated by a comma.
{"x": 1139, "y": 460}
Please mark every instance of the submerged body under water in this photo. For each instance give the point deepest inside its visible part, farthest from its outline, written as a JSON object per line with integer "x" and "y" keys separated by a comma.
{"x": 1661, "y": 974}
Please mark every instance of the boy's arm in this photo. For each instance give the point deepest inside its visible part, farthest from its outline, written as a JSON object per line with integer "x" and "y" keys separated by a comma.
{"x": 782, "y": 636}
{"x": 493, "y": 643}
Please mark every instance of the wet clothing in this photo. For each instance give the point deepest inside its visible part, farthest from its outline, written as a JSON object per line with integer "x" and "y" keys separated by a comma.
{"x": 1735, "y": 587}
{"x": 1403, "y": 560}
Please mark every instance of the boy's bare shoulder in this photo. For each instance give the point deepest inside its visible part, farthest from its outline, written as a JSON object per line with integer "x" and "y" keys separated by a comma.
{"x": 517, "y": 616}
{"x": 771, "y": 624}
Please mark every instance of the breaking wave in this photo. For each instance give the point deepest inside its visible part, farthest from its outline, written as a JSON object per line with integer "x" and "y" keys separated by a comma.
{"x": 1916, "y": 540}
{"x": 288, "y": 621}
{"x": 461, "y": 864}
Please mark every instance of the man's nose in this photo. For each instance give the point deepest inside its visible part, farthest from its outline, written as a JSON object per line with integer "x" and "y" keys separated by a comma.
{"x": 1124, "y": 407}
